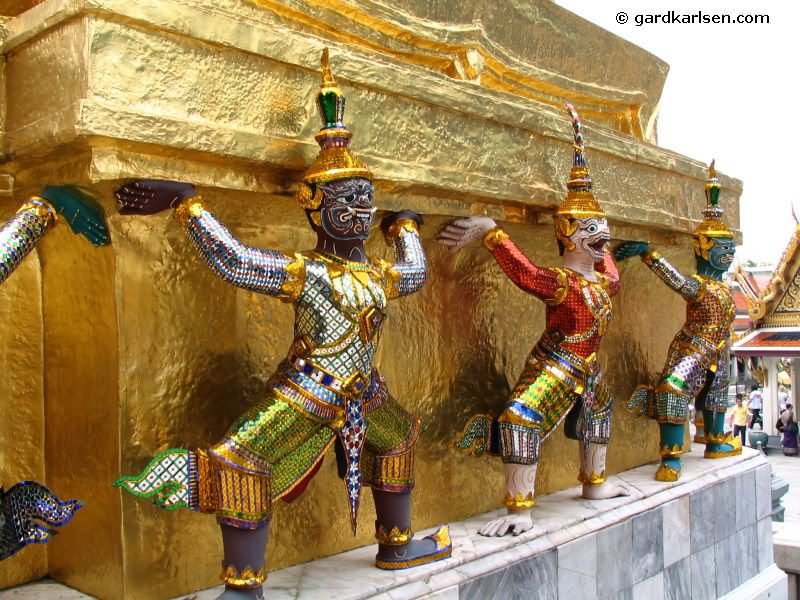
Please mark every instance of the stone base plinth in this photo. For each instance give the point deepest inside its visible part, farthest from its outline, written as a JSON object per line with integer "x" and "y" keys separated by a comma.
{"x": 707, "y": 536}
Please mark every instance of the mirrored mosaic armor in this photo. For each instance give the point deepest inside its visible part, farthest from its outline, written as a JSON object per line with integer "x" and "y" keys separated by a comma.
{"x": 326, "y": 387}
{"x": 21, "y": 234}
{"x": 699, "y": 354}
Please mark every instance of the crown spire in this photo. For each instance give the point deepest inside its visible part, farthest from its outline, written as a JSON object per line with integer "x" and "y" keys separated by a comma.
{"x": 335, "y": 160}
{"x": 712, "y": 225}
{"x": 580, "y": 202}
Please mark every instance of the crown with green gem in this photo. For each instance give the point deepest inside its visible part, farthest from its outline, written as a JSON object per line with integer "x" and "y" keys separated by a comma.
{"x": 712, "y": 225}
{"x": 335, "y": 160}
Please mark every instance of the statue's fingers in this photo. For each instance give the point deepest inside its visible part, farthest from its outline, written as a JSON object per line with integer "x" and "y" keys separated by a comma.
{"x": 464, "y": 242}
{"x": 460, "y": 223}
{"x": 449, "y": 234}
{"x": 97, "y": 238}
{"x": 128, "y": 208}
{"x": 518, "y": 528}
{"x": 503, "y": 528}
{"x": 493, "y": 527}
{"x": 97, "y": 225}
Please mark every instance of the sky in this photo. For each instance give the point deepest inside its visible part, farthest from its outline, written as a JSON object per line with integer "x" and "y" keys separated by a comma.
{"x": 731, "y": 94}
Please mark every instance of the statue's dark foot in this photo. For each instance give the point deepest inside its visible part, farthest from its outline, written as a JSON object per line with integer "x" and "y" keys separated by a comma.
{"x": 416, "y": 552}
{"x": 669, "y": 469}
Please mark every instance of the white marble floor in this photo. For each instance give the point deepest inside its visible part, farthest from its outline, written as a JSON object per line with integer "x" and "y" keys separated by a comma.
{"x": 559, "y": 517}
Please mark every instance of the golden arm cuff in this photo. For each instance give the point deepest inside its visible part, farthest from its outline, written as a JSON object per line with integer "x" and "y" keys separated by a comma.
{"x": 43, "y": 209}
{"x": 650, "y": 257}
{"x": 189, "y": 207}
{"x": 401, "y": 224}
{"x": 492, "y": 239}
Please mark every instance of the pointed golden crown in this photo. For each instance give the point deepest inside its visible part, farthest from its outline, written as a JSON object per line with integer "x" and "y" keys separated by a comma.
{"x": 712, "y": 225}
{"x": 580, "y": 202}
{"x": 335, "y": 159}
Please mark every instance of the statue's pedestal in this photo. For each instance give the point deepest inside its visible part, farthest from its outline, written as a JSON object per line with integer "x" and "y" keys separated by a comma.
{"x": 702, "y": 537}
{"x": 706, "y": 536}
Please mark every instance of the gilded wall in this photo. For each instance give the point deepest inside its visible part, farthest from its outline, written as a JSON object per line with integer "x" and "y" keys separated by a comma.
{"x": 136, "y": 347}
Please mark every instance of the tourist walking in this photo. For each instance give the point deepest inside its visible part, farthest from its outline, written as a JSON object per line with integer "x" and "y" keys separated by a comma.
{"x": 756, "y": 404}
{"x": 739, "y": 418}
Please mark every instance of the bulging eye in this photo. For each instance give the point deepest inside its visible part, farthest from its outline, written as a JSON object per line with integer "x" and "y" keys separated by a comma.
{"x": 592, "y": 228}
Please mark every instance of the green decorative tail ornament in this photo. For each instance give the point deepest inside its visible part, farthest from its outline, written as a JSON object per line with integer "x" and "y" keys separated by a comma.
{"x": 167, "y": 480}
{"x": 642, "y": 402}
{"x": 476, "y": 437}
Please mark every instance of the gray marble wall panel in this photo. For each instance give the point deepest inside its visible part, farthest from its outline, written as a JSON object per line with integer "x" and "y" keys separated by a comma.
{"x": 648, "y": 545}
{"x": 745, "y": 499}
{"x": 651, "y": 588}
{"x": 614, "y": 561}
{"x": 577, "y": 568}
{"x": 747, "y": 549}
{"x": 763, "y": 491}
{"x": 764, "y": 548}
{"x": 532, "y": 578}
{"x": 677, "y": 530}
{"x": 724, "y": 509}
{"x": 704, "y": 585}
{"x": 704, "y": 520}
{"x": 678, "y": 580}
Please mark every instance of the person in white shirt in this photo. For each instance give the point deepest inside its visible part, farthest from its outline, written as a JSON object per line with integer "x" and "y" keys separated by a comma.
{"x": 756, "y": 404}
{"x": 783, "y": 397}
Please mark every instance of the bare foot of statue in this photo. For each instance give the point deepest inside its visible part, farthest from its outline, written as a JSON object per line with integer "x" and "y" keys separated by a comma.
{"x": 603, "y": 491}
{"x": 514, "y": 523}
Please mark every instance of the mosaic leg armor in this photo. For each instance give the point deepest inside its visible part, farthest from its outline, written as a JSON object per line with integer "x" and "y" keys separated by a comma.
{"x": 593, "y": 430}
{"x": 29, "y": 514}
{"x": 268, "y": 452}
{"x": 540, "y": 401}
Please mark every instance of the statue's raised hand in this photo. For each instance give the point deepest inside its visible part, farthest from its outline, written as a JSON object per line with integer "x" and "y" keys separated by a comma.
{"x": 628, "y": 249}
{"x": 151, "y": 196}
{"x": 460, "y": 232}
{"x": 83, "y": 214}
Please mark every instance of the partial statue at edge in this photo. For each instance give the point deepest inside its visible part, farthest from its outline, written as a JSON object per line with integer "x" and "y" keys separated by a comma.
{"x": 29, "y": 512}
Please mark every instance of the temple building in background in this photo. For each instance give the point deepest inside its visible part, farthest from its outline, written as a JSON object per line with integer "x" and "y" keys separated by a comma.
{"x": 769, "y": 332}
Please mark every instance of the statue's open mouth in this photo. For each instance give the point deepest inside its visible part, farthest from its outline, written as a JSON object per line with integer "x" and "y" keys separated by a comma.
{"x": 599, "y": 245}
